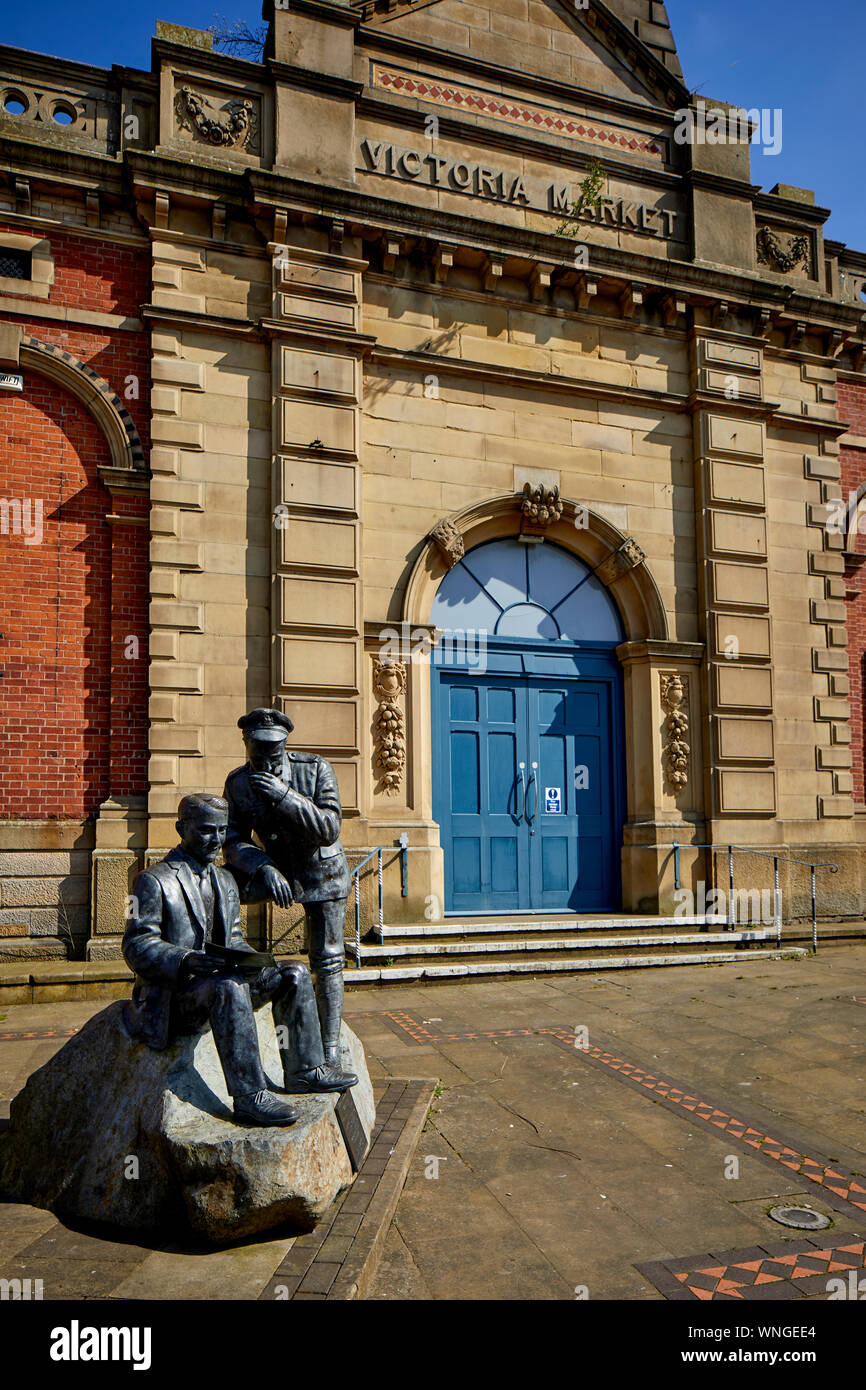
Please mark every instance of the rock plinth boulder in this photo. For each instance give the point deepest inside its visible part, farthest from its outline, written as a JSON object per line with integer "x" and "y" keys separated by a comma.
{"x": 109, "y": 1130}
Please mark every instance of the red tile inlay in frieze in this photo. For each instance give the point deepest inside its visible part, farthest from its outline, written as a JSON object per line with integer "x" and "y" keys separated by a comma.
{"x": 518, "y": 113}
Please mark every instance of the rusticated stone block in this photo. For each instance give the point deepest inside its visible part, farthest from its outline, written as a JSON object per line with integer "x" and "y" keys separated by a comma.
{"x": 112, "y": 884}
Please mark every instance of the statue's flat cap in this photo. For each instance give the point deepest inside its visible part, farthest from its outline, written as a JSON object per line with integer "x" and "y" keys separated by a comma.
{"x": 266, "y": 725}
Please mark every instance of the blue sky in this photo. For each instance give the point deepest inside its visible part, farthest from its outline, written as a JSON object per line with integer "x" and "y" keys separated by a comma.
{"x": 807, "y": 60}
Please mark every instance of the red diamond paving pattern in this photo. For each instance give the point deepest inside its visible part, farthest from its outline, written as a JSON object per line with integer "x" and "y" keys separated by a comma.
{"x": 841, "y": 1188}
{"x": 501, "y": 108}
{"x": 788, "y": 1270}
{"x": 784, "y": 1271}
{"x": 39, "y": 1033}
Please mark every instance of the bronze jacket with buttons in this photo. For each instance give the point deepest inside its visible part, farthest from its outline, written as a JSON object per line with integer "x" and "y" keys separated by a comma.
{"x": 299, "y": 835}
{"x": 166, "y": 923}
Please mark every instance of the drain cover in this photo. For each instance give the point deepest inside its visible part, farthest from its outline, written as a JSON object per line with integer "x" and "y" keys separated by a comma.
{"x": 803, "y": 1218}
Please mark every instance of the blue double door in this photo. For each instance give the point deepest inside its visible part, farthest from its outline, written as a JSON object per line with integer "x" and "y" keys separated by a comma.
{"x": 528, "y": 792}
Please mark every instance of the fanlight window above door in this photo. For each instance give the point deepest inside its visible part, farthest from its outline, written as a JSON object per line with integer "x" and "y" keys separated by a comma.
{"x": 508, "y": 589}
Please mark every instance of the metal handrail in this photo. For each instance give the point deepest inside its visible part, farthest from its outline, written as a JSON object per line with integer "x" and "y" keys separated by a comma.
{"x": 811, "y": 864}
{"x": 355, "y": 873}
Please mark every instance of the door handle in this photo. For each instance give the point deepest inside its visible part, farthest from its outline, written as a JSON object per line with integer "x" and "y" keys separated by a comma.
{"x": 520, "y": 814}
{"x": 530, "y": 820}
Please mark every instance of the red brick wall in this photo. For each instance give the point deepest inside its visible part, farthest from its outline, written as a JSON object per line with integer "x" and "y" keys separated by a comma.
{"x": 97, "y": 275}
{"x": 130, "y": 596}
{"x": 68, "y": 675}
{"x": 852, "y": 409}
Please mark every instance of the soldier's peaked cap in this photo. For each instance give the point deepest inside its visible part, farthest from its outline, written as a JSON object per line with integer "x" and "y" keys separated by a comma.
{"x": 266, "y": 725}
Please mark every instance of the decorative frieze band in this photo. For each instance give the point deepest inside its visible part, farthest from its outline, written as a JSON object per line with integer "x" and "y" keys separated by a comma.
{"x": 460, "y": 98}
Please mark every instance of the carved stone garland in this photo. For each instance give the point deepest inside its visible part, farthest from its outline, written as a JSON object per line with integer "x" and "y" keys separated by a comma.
{"x": 389, "y": 683}
{"x": 195, "y": 113}
{"x": 772, "y": 253}
{"x": 676, "y": 750}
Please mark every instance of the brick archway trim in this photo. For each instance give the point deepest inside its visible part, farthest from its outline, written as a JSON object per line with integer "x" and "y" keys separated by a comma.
{"x": 128, "y": 465}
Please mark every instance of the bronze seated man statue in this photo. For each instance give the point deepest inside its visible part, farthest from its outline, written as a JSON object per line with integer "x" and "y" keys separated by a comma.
{"x": 183, "y": 905}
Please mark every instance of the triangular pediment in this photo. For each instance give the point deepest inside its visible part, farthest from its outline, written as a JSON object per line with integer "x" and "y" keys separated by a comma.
{"x": 622, "y": 49}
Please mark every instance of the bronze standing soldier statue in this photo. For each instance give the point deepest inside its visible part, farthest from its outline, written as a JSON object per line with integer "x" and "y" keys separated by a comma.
{"x": 290, "y": 801}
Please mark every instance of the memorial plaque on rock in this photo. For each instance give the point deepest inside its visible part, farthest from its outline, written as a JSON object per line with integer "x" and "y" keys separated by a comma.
{"x": 355, "y": 1136}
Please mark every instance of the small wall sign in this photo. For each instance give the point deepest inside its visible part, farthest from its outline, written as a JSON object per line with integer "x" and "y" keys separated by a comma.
{"x": 553, "y": 801}
{"x": 11, "y": 381}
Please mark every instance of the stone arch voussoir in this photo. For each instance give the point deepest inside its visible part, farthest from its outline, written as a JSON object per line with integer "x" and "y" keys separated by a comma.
{"x": 615, "y": 557}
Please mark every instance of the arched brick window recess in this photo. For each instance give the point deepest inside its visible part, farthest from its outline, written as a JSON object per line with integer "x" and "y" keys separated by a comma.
{"x": 95, "y": 394}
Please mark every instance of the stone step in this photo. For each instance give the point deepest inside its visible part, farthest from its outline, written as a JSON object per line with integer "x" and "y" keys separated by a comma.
{"x": 490, "y": 945}
{"x": 43, "y": 982}
{"x": 481, "y": 926}
{"x": 513, "y": 965}
{"x": 828, "y": 932}
{"x": 32, "y": 948}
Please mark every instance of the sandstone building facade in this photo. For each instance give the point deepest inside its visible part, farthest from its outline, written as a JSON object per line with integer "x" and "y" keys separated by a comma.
{"x": 322, "y": 358}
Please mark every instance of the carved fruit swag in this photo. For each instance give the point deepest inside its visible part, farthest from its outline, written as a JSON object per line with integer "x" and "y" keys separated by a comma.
{"x": 389, "y": 683}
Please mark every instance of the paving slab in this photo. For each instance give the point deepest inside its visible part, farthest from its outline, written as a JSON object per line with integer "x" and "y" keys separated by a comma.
{"x": 483, "y": 1255}
{"x": 398, "y": 1278}
{"x": 560, "y": 1169}
{"x": 239, "y": 1273}
{"x": 63, "y": 1278}
{"x": 742, "y": 1046}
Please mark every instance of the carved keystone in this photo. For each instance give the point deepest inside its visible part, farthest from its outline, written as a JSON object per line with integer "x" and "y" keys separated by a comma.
{"x": 540, "y": 506}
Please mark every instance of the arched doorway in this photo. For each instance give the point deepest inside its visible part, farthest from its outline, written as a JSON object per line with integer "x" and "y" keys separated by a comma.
{"x": 528, "y": 784}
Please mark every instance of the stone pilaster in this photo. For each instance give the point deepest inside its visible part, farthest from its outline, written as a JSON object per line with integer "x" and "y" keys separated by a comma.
{"x": 177, "y": 274}
{"x": 211, "y": 562}
{"x": 828, "y": 615}
{"x": 121, "y": 835}
{"x": 664, "y": 769}
{"x": 733, "y": 574}
{"x": 311, "y": 53}
{"x": 317, "y": 618}
{"x": 120, "y": 828}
